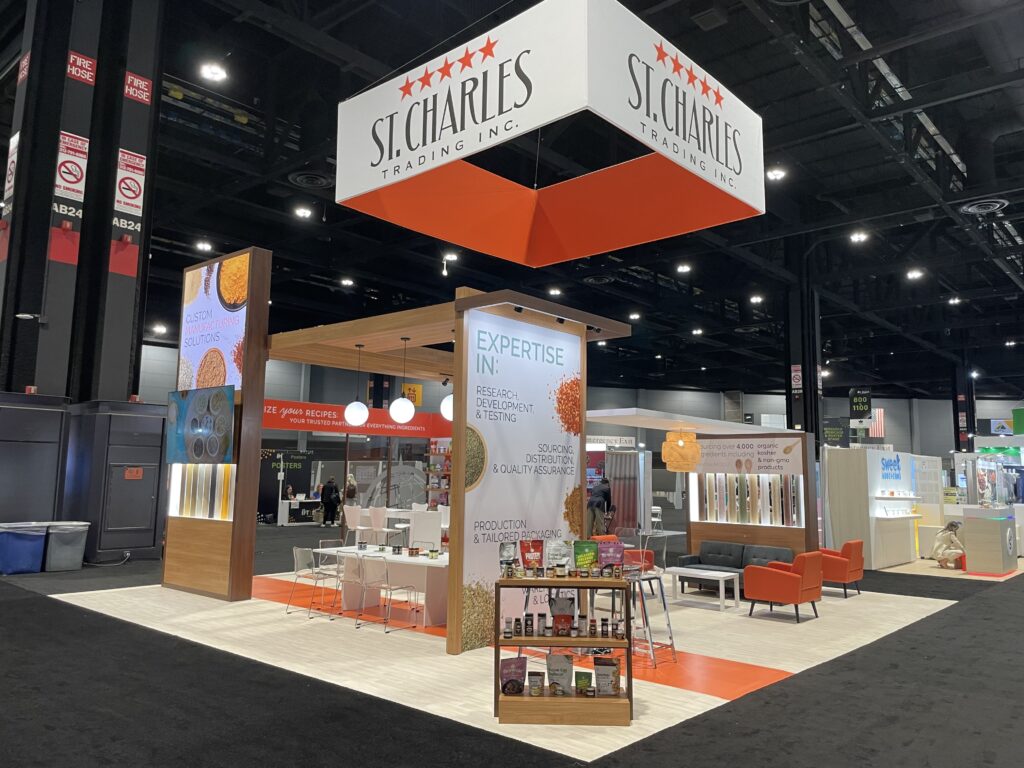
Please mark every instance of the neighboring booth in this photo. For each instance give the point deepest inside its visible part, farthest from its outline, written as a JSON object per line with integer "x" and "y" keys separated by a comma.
{"x": 748, "y": 485}
{"x": 882, "y": 497}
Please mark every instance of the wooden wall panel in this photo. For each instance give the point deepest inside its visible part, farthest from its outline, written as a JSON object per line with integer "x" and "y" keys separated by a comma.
{"x": 198, "y": 555}
{"x": 767, "y": 535}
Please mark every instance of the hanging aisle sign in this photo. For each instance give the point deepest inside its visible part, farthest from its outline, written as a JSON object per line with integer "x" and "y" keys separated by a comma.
{"x": 402, "y": 144}
{"x": 860, "y": 407}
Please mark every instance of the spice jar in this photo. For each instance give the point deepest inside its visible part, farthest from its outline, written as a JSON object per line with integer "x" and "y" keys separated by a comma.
{"x": 517, "y": 628}
{"x": 615, "y": 629}
{"x": 528, "y": 625}
{"x": 604, "y": 628}
{"x": 542, "y": 619}
{"x": 574, "y": 630}
{"x": 551, "y": 571}
{"x": 508, "y": 629}
{"x": 593, "y": 627}
{"x": 560, "y": 571}
{"x": 549, "y": 631}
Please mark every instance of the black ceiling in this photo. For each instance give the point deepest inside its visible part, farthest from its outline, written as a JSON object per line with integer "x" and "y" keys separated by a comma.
{"x": 894, "y": 147}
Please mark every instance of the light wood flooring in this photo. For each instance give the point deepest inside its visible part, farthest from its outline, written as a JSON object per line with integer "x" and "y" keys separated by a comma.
{"x": 411, "y": 668}
{"x": 922, "y": 567}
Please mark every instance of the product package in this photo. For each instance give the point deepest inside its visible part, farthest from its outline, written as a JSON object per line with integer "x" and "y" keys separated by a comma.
{"x": 532, "y": 551}
{"x": 512, "y": 673}
{"x": 507, "y": 552}
{"x": 583, "y": 681}
{"x": 560, "y": 671}
{"x": 536, "y": 683}
{"x": 610, "y": 552}
{"x": 585, "y": 553}
{"x": 563, "y": 609}
{"x": 606, "y": 673}
{"x": 557, "y": 552}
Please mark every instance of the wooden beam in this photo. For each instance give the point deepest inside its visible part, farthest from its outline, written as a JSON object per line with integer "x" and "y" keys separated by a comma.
{"x": 420, "y": 363}
{"x": 382, "y": 333}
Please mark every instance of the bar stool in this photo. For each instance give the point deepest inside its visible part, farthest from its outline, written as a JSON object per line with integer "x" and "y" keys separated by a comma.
{"x": 640, "y": 563}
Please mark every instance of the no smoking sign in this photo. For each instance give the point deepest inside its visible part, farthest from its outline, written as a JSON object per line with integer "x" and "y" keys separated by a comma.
{"x": 72, "y": 161}
{"x": 71, "y": 172}
{"x": 131, "y": 182}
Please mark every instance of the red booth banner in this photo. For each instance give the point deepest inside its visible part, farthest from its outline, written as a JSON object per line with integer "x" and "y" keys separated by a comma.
{"x": 324, "y": 417}
{"x": 402, "y": 146}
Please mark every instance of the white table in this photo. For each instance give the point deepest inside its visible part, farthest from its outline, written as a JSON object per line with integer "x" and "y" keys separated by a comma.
{"x": 428, "y": 577}
{"x": 721, "y": 577}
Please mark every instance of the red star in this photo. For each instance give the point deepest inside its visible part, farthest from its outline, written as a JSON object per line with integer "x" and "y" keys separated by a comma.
{"x": 677, "y": 65}
{"x": 466, "y": 60}
{"x": 425, "y": 78}
{"x": 407, "y": 88}
{"x": 705, "y": 87}
{"x": 691, "y": 76}
{"x": 718, "y": 97}
{"x": 446, "y": 68}
{"x": 662, "y": 54}
{"x": 487, "y": 51}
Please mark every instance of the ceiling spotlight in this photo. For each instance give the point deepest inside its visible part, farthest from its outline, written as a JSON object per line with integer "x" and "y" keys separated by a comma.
{"x": 825, "y": 373}
{"x": 270, "y": 301}
{"x": 703, "y": 367}
{"x": 657, "y": 357}
{"x": 602, "y": 343}
{"x": 159, "y": 329}
{"x": 634, "y": 315}
{"x": 776, "y": 174}
{"x": 303, "y": 212}
{"x": 859, "y": 236}
{"x": 697, "y": 331}
{"x": 348, "y": 282}
{"x": 954, "y": 300}
{"x": 914, "y": 274}
{"x": 204, "y": 245}
{"x": 25, "y": 316}
{"x": 451, "y": 256}
{"x": 554, "y": 291}
{"x": 1011, "y": 343}
{"x": 970, "y": 435}
{"x": 641, "y": 445}
{"x": 213, "y": 72}
{"x": 755, "y": 299}
{"x": 975, "y": 374}
{"x": 683, "y": 268}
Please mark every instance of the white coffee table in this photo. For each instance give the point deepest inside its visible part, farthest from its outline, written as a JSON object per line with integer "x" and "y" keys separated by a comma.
{"x": 680, "y": 574}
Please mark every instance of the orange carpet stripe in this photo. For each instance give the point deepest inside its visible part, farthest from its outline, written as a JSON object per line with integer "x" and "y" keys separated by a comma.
{"x": 709, "y": 675}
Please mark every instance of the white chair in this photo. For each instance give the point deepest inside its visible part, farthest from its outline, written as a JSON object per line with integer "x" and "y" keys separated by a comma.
{"x": 425, "y": 526}
{"x": 331, "y": 562}
{"x": 419, "y": 507}
{"x": 656, "y": 522}
{"x": 376, "y": 575}
{"x": 352, "y": 515}
{"x": 446, "y": 516}
{"x": 404, "y": 527}
{"x": 306, "y": 568}
{"x": 379, "y": 523}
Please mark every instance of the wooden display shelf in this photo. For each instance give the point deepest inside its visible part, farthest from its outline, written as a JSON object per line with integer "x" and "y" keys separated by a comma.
{"x": 562, "y": 582}
{"x": 571, "y": 709}
{"x": 562, "y": 642}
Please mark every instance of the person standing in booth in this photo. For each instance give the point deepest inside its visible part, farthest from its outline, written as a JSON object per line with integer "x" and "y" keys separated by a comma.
{"x": 330, "y": 497}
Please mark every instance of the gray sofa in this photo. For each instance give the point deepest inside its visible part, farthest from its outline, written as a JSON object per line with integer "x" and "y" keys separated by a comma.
{"x": 733, "y": 558}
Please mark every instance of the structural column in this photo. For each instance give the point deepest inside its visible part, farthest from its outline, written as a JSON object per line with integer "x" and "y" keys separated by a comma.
{"x": 964, "y": 416}
{"x": 116, "y": 229}
{"x": 803, "y": 343}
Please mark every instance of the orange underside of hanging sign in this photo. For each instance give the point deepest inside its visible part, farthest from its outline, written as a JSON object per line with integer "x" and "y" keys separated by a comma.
{"x": 639, "y": 201}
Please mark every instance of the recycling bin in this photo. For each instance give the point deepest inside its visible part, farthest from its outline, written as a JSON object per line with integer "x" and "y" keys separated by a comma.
{"x": 21, "y": 547}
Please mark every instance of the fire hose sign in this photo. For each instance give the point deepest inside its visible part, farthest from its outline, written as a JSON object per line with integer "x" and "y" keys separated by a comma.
{"x": 72, "y": 159}
{"x": 131, "y": 182}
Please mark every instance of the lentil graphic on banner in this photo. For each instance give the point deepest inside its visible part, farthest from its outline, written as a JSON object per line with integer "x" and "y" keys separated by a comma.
{"x": 522, "y": 451}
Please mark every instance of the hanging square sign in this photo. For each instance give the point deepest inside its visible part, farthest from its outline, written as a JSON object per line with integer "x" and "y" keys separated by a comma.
{"x": 402, "y": 145}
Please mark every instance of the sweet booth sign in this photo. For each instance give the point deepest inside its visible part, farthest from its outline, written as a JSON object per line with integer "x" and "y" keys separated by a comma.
{"x": 402, "y": 145}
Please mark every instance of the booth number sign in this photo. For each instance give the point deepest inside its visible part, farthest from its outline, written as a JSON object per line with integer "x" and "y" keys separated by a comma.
{"x": 860, "y": 403}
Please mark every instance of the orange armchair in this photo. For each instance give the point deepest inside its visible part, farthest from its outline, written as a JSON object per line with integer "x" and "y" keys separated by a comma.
{"x": 845, "y": 566}
{"x": 785, "y": 583}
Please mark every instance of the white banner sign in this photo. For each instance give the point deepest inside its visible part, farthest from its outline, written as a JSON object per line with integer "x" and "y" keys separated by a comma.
{"x": 523, "y": 447}
{"x": 11, "y": 168}
{"x": 553, "y": 60}
{"x": 752, "y": 456}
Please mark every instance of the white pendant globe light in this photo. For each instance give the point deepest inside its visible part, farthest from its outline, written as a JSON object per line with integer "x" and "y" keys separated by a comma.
{"x": 402, "y": 409}
{"x": 448, "y": 407}
{"x": 356, "y": 412}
